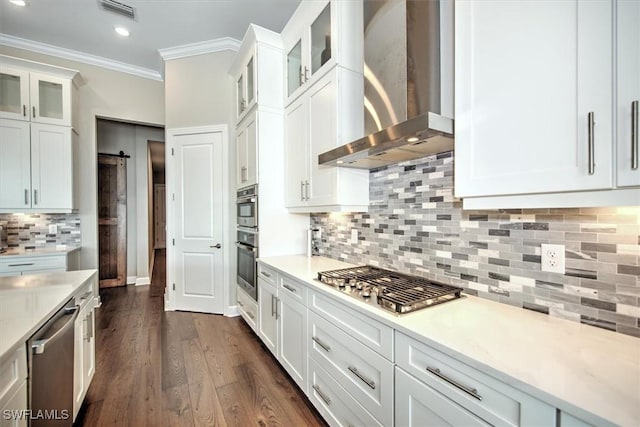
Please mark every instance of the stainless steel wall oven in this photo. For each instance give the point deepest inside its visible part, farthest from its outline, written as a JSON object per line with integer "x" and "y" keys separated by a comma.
{"x": 247, "y": 207}
{"x": 247, "y": 245}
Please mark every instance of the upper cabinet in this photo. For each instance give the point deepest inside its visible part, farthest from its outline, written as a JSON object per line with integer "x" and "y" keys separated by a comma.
{"x": 36, "y": 92}
{"x": 257, "y": 71}
{"x": 320, "y": 35}
{"x": 628, "y": 91}
{"x": 534, "y": 111}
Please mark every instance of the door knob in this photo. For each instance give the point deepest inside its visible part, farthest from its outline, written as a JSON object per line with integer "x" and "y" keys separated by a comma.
{"x": 218, "y": 246}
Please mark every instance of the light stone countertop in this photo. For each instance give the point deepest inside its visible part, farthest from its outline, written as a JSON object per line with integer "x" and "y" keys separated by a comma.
{"x": 578, "y": 368}
{"x": 19, "y": 252}
{"x": 27, "y": 302}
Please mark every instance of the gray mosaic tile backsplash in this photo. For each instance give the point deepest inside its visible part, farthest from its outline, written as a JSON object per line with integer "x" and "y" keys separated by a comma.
{"x": 30, "y": 231}
{"x": 415, "y": 225}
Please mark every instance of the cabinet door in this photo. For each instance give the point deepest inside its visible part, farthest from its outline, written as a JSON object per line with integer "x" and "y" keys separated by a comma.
{"x": 251, "y": 84}
{"x": 15, "y": 165}
{"x": 295, "y": 71}
{"x": 88, "y": 348}
{"x": 267, "y": 321}
{"x": 241, "y": 153}
{"x": 292, "y": 347}
{"x": 14, "y": 94}
{"x": 320, "y": 40}
{"x": 296, "y": 154}
{"x": 51, "y": 167}
{"x": 251, "y": 173}
{"x": 418, "y": 405}
{"x": 628, "y": 95}
{"x": 523, "y": 102}
{"x": 17, "y": 403}
{"x": 50, "y": 99}
{"x": 242, "y": 101}
{"x": 78, "y": 361}
{"x": 322, "y": 137}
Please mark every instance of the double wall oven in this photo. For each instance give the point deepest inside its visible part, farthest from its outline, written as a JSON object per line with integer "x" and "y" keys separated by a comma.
{"x": 247, "y": 239}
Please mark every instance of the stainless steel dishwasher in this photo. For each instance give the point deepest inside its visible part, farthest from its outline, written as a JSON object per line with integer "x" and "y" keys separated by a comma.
{"x": 51, "y": 370}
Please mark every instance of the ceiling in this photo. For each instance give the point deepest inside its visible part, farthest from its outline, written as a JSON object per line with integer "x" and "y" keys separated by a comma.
{"x": 84, "y": 26}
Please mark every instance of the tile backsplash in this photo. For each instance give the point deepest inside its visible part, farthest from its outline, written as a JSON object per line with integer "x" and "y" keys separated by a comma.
{"x": 415, "y": 225}
{"x": 30, "y": 231}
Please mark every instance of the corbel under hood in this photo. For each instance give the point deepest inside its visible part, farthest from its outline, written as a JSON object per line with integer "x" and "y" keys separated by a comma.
{"x": 408, "y": 71}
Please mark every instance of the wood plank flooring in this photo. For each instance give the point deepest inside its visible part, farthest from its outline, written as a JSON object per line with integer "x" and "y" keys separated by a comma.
{"x": 156, "y": 368}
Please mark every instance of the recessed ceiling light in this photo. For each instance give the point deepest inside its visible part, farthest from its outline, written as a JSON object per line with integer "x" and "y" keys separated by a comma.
{"x": 19, "y": 2}
{"x": 412, "y": 139}
{"x": 122, "y": 31}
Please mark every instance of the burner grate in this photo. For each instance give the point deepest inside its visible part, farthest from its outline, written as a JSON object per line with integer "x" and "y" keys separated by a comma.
{"x": 396, "y": 292}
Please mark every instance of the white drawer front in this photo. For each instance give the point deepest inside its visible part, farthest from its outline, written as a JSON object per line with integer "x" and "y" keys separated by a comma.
{"x": 337, "y": 406}
{"x": 13, "y": 370}
{"x": 366, "y": 375}
{"x": 248, "y": 308}
{"x": 369, "y": 332}
{"x": 292, "y": 288}
{"x": 267, "y": 273}
{"x": 490, "y": 399}
{"x": 17, "y": 264}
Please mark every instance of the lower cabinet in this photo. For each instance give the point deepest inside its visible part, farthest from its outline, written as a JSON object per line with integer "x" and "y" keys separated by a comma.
{"x": 84, "y": 354}
{"x": 419, "y": 405}
{"x": 12, "y": 412}
{"x": 282, "y": 326}
{"x": 248, "y": 308}
{"x": 18, "y": 265}
{"x": 13, "y": 388}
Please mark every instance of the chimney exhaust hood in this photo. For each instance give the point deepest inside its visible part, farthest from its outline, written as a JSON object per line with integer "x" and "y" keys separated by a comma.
{"x": 408, "y": 72}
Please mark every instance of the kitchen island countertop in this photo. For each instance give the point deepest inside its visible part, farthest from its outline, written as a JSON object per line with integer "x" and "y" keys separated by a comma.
{"x": 26, "y": 302}
{"x": 575, "y": 367}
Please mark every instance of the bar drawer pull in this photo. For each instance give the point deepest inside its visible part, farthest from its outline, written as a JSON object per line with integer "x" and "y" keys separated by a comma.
{"x": 264, "y": 273}
{"x": 364, "y": 379}
{"x": 21, "y": 265}
{"x": 250, "y": 314}
{"x": 470, "y": 391}
{"x": 289, "y": 288}
{"x": 591, "y": 142}
{"x": 324, "y": 346}
{"x": 634, "y": 135}
{"x": 324, "y": 397}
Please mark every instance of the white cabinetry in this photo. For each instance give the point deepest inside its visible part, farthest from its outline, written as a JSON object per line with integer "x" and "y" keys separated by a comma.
{"x": 282, "y": 324}
{"x": 319, "y": 36}
{"x": 454, "y": 385}
{"x": 246, "y": 138}
{"x": 534, "y": 110}
{"x": 16, "y": 265}
{"x": 43, "y": 96}
{"x": 628, "y": 91}
{"x": 84, "y": 365}
{"x": 13, "y": 387}
{"x": 324, "y": 117}
{"x": 36, "y": 137}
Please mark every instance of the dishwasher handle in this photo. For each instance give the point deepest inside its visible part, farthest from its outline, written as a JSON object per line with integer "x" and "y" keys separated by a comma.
{"x": 39, "y": 346}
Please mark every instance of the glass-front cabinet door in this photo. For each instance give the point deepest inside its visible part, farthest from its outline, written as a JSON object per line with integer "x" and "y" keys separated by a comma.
{"x": 295, "y": 73}
{"x": 321, "y": 39}
{"x": 50, "y": 99}
{"x": 14, "y": 94}
{"x": 240, "y": 91}
{"x": 250, "y": 82}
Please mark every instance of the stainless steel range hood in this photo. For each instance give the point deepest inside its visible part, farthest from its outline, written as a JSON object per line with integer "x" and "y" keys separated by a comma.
{"x": 408, "y": 70}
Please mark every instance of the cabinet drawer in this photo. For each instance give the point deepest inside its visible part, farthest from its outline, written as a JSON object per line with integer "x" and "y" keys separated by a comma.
{"x": 366, "y": 375}
{"x": 334, "y": 403}
{"x": 248, "y": 308}
{"x": 267, "y": 273}
{"x": 292, "y": 288}
{"x": 369, "y": 332}
{"x": 488, "y": 398}
{"x": 13, "y": 370}
{"x": 27, "y": 264}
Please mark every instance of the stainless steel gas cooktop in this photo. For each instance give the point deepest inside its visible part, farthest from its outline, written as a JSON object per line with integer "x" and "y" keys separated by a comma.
{"x": 396, "y": 292}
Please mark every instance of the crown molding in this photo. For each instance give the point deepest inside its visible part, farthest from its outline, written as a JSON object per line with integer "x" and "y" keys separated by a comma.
{"x": 199, "y": 48}
{"x": 82, "y": 57}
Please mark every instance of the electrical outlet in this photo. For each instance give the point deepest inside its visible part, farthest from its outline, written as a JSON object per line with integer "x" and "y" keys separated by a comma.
{"x": 53, "y": 229}
{"x": 552, "y": 258}
{"x": 354, "y": 235}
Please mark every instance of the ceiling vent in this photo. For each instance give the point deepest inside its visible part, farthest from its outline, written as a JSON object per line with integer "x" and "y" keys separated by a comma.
{"x": 119, "y": 8}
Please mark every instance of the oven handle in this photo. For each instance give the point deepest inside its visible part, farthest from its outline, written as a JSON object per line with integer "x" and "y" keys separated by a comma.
{"x": 246, "y": 247}
{"x": 245, "y": 200}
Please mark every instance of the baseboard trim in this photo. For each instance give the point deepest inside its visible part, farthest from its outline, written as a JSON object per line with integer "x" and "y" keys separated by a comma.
{"x": 141, "y": 281}
{"x": 131, "y": 280}
{"x": 232, "y": 311}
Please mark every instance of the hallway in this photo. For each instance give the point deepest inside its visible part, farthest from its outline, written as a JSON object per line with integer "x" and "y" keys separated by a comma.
{"x": 159, "y": 368}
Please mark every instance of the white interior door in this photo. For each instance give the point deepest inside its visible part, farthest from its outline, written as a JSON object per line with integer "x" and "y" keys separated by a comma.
{"x": 198, "y": 229}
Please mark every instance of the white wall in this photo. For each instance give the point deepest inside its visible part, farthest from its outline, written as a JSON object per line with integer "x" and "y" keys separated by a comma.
{"x": 114, "y": 137}
{"x": 109, "y": 94}
{"x": 200, "y": 92}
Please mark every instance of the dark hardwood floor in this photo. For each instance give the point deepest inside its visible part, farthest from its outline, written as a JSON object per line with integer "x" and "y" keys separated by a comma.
{"x": 156, "y": 368}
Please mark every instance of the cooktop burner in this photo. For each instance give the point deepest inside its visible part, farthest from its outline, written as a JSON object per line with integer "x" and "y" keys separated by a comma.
{"x": 393, "y": 291}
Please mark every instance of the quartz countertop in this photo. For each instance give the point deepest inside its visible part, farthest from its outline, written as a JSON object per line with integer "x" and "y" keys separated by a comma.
{"x": 578, "y": 368}
{"x": 39, "y": 251}
{"x": 27, "y": 302}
